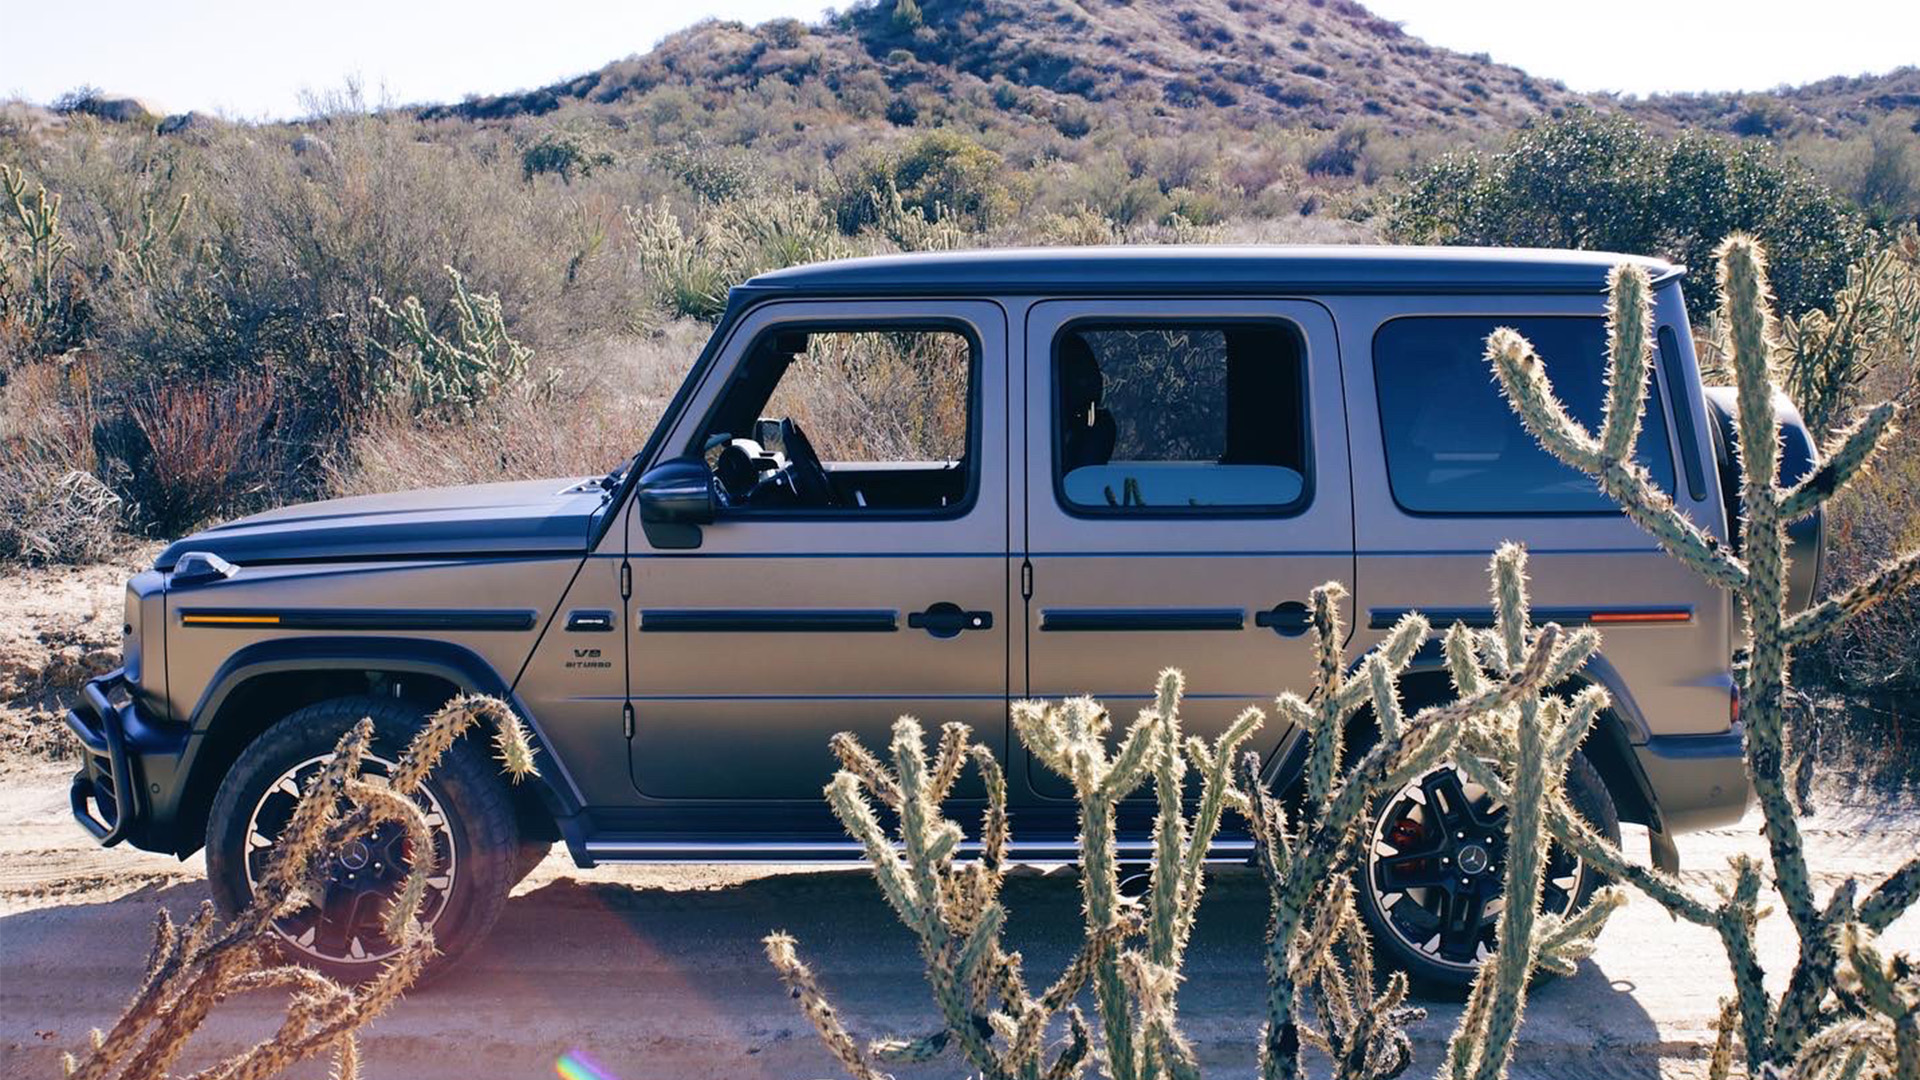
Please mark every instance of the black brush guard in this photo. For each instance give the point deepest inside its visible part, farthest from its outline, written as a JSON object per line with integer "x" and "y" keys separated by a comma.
{"x": 106, "y": 795}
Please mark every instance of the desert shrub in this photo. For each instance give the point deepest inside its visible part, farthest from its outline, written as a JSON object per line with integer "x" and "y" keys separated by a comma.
{"x": 940, "y": 173}
{"x": 610, "y": 396}
{"x": 53, "y": 506}
{"x": 712, "y": 174}
{"x": 565, "y": 153}
{"x": 1604, "y": 182}
{"x": 205, "y": 449}
{"x": 689, "y": 269}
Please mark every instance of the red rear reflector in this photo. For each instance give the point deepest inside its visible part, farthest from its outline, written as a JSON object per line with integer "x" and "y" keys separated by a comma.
{"x": 1642, "y": 616}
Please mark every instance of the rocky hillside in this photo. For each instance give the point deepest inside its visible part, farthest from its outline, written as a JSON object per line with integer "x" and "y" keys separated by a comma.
{"x": 1192, "y": 63}
{"x": 1183, "y": 65}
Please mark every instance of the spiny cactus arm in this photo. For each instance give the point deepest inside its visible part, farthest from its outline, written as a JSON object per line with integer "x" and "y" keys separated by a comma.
{"x": 1892, "y": 897}
{"x": 1889, "y": 986}
{"x": 896, "y": 884}
{"x": 1737, "y": 919}
{"x": 948, "y": 760}
{"x": 1039, "y": 728}
{"x": 1168, "y": 880}
{"x": 1524, "y": 379}
{"x": 1749, "y": 317}
{"x": 1033, "y": 1026}
{"x": 1216, "y": 790}
{"x": 1572, "y": 730}
{"x": 377, "y": 805}
{"x": 1841, "y": 1052}
{"x": 858, "y": 760}
{"x": 1725, "y": 1027}
{"x": 446, "y": 724}
{"x": 1630, "y": 356}
{"x": 1392, "y": 655}
{"x": 1563, "y": 943}
{"x": 306, "y": 830}
{"x": 1845, "y": 455}
{"x": 1576, "y": 649}
{"x": 1828, "y": 615}
{"x": 996, "y": 837}
{"x": 1131, "y": 763}
{"x": 785, "y": 958}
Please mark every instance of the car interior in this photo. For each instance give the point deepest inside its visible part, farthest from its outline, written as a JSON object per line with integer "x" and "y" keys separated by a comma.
{"x": 769, "y": 462}
{"x": 1181, "y": 416}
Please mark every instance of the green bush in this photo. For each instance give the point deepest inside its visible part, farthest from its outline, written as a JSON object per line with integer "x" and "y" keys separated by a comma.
{"x": 563, "y": 153}
{"x": 1603, "y": 182}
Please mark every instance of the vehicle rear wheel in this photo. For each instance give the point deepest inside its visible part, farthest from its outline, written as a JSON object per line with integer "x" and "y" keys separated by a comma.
{"x": 476, "y": 841}
{"x": 1433, "y": 871}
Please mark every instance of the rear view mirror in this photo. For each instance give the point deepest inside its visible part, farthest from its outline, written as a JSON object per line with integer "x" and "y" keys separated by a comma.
{"x": 676, "y": 497}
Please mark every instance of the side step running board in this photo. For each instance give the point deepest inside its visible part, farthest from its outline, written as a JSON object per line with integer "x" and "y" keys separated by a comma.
{"x": 847, "y": 851}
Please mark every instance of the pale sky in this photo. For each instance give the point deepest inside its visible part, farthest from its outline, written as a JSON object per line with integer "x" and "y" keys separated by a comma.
{"x": 253, "y": 58}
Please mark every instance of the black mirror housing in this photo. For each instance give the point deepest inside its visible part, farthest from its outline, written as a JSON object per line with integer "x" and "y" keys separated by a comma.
{"x": 676, "y": 497}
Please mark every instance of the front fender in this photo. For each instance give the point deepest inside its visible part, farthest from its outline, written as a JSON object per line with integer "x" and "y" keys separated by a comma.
{"x": 175, "y": 809}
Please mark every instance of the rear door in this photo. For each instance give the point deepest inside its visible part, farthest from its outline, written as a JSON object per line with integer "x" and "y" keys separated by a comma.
{"x": 787, "y": 625}
{"x": 1187, "y": 487}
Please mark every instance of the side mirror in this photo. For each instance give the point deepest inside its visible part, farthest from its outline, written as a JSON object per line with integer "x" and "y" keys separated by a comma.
{"x": 676, "y": 497}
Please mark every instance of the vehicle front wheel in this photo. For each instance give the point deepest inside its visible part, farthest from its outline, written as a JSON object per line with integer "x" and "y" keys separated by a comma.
{"x": 475, "y": 840}
{"x": 1433, "y": 871}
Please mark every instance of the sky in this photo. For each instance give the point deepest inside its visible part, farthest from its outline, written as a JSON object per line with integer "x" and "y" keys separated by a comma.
{"x": 259, "y": 58}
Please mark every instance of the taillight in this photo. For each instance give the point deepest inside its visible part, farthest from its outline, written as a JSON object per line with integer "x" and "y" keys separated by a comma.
{"x": 1733, "y": 706}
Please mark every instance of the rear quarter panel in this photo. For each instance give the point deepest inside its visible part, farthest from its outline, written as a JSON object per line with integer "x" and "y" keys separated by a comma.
{"x": 1676, "y": 675}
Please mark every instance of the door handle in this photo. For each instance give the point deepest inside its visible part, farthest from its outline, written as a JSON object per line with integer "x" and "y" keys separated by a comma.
{"x": 945, "y": 620}
{"x": 1288, "y": 619}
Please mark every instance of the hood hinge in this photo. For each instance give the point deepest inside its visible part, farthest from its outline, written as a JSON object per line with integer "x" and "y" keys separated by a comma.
{"x": 626, "y": 718}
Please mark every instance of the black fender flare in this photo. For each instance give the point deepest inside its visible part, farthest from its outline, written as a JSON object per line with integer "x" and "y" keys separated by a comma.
{"x": 455, "y": 664}
{"x": 1615, "y": 732}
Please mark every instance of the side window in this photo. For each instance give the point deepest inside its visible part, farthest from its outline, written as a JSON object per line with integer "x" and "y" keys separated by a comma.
{"x": 848, "y": 419}
{"x": 1454, "y": 446}
{"x": 1180, "y": 418}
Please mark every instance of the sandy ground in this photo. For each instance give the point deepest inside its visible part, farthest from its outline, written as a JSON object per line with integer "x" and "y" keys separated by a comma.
{"x": 59, "y": 626}
{"x": 657, "y": 971}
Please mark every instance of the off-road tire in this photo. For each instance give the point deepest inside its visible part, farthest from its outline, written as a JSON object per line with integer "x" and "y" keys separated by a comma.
{"x": 1586, "y": 793}
{"x": 478, "y": 818}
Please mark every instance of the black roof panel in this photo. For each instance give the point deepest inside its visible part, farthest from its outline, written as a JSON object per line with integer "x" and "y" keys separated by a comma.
{"x": 1272, "y": 268}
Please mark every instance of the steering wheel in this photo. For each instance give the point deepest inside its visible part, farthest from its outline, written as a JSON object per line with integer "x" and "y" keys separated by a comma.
{"x": 804, "y": 471}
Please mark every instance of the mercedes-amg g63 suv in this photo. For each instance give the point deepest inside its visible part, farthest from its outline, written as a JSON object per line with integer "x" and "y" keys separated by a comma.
{"x": 932, "y": 484}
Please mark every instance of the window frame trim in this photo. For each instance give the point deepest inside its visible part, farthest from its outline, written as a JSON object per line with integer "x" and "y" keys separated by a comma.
{"x": 1656, "y": 393}
{"x": 855, "y": 324}
{"x": 1264, "y": 511}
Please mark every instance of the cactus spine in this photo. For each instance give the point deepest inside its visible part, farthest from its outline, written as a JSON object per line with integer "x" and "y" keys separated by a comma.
{"x": 1774, "y": 1033}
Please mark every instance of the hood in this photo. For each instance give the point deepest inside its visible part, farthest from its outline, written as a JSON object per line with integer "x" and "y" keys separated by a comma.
{"x": 518, "y": 518}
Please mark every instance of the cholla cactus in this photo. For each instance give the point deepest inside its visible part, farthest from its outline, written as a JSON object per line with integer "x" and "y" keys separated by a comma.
{"x": 954, "y": 911}
{"x": 194, "y": 967}
{"x": 440, "y": 372}
{"x": 1071, "y": 740}
{"x": 1301, "y": 865}
{"x": 1521, "y": 755}
{"x": 1773, "y": 1032}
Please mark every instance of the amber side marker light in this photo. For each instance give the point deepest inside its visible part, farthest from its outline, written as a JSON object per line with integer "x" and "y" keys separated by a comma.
{"x": 251, "y": 620}
{"x": 1641, "y": 616}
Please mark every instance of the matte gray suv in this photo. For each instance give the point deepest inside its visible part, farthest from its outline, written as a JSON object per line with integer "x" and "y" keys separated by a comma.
{"x": 930, "y": 484}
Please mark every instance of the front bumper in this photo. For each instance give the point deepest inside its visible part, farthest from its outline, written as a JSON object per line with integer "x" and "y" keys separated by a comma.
{"x": 124, "y": 753}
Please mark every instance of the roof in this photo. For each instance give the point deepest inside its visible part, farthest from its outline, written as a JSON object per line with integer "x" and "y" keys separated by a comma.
{"x": 1210, "y": 270}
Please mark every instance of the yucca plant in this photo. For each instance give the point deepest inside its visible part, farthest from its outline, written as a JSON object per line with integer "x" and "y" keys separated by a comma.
{"x": 194, "y": 967}
{"x": 1844, "y": 1008}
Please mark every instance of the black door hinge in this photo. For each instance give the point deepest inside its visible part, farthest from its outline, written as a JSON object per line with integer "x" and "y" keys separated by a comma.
{"x": 626, "y": 580}
{"x": 1026, "y": 580}
{"x": 626, "y": 719}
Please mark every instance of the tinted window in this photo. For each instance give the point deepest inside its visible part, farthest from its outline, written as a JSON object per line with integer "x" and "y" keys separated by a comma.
{"x": 1453, "y": 444}
{"x": 1179, "y": 418}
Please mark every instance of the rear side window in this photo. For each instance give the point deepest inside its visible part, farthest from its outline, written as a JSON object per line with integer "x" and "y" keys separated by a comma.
{"x": 1454, "y": 446}
{"x": 1180, "y": 418}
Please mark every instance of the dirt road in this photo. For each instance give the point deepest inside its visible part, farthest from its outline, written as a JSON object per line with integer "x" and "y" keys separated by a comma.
{"x": 657, "y": 971}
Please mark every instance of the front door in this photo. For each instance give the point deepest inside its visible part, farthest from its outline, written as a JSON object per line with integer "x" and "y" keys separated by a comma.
{"x": 860, "y": 570}
{"x": 1187, "y": 488}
